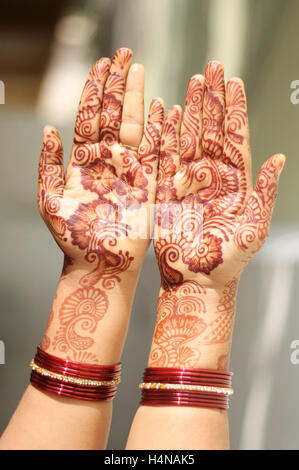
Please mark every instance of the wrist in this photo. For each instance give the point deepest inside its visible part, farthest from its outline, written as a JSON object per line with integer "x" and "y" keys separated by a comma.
{"x": 90, "y": 315}
{"x": 194, "y": 326}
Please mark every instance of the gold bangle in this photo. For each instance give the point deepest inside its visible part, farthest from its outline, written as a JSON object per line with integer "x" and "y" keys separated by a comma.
{"x": 74, "y": 380}
{"x": 129, "y": 147}
{"x": 197, "y": 388}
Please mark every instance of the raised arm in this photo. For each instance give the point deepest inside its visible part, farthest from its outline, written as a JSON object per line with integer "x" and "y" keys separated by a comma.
{"x": 93, "y": 211}
{"x": 210, "y": 223}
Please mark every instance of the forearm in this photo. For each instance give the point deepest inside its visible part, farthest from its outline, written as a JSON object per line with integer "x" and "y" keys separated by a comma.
{"x": 174, "y": 427}
{"x": 89, "y": 318}
{"x": 48, "y": 421}
{"x": 193, "y": 330}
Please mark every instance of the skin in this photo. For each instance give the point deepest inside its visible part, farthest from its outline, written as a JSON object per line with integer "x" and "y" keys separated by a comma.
{"x": 93, "y": 210}
{"x": 204, "y": 182}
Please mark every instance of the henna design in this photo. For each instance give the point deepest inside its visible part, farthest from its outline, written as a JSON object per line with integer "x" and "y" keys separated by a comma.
{"x": 112, "y": 110}
{"x": 181, "y": 319}
{"x": 190, "y": 138}
{"x": 150, "y": 145}
{"x": 220, "y": 329}
{"x": 122, "y": 57}
{"x": 86, "y": 211}
{"x": 99, "y": 177}
{"x": 214, "y": 225}
{"x": 236, "y": 117}
{"x": 113, "y": 98}
{"x": 254, "y": 229}
{"x": 86, "y": 127}
{"x": 222, "y": 363}
{"x": 47, "y": 340}
{"x": 208, "y": 255}
{"x": 178, "y": 322}
{"x": 83, "y": 356}
{"x": 51, "y": 176}
{"x": 109, "y": 266}
{"x": 79, "y": 312}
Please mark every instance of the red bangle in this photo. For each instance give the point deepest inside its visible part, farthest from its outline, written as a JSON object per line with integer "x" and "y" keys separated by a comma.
{"x": 186, "y": 387}
{"x": 188, "y": 376}
{"x": 74, "y": 379}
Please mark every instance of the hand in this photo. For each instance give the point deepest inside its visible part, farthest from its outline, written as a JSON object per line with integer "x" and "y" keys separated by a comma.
{"x": 93, "y": 210}
{"x": 210, "y": 222}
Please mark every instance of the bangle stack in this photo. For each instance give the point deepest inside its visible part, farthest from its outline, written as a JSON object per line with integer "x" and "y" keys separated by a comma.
{"x": 74, "y": 379}
{"x": 186, "y": 387}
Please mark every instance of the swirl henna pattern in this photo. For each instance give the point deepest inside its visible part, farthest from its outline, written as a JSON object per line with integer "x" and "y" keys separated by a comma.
{"x": 209, "y": 221}
{"x": 91, "y": 209}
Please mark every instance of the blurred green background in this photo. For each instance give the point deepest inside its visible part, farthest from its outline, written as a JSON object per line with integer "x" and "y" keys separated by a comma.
{"x": 46, "y": 50}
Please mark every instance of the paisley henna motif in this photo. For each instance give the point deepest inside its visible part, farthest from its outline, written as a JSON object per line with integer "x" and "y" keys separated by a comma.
{"x": 80, "y": 313}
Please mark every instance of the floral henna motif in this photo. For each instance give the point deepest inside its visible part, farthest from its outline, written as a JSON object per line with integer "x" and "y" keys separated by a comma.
{"x": 200, "y": 259}
{"x": 99, "y": 177}
{"x": 207, "y": 256}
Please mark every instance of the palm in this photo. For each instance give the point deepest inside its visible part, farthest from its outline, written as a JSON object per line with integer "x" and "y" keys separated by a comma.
{"x": 90, "y": 211}
{"x": 217, "y": 222}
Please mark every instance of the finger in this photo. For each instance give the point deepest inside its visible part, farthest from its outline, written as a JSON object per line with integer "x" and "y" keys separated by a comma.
{"x": 213, "y": 111}
{"x": 170, "y": 141}
{"x": 132, "y": 123}
{"x": 114, "y": 96}
{"x": 236, "y": 143}
{"x": 149, "y": 148}
{"x": 169, "y": 160}
{"x": 192, "y": 120}
{"x": 51, "y": 173}
{"x": 88, "y": 118}
{"x": 141, "y": 169}
{"x": 255, "y": 222}
{"x": 267, "y": 181}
